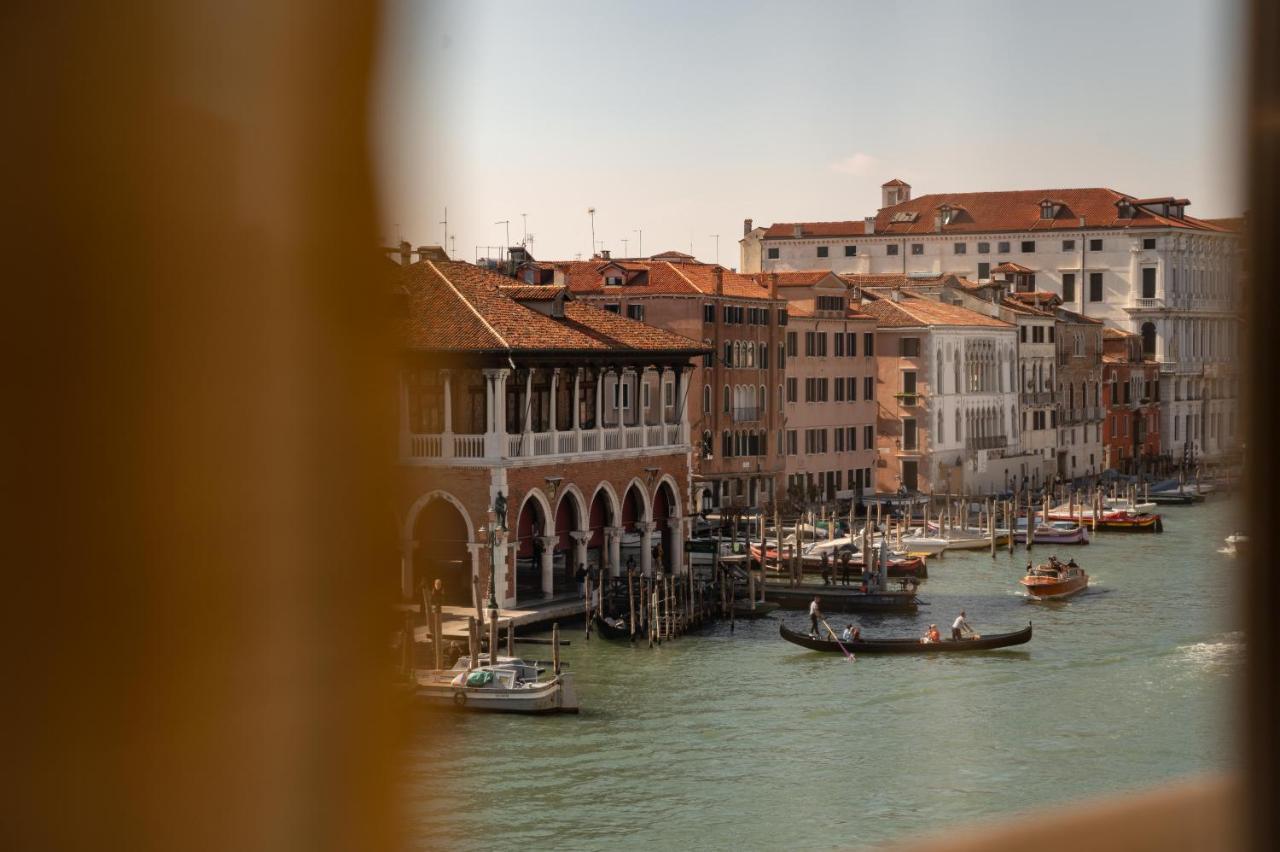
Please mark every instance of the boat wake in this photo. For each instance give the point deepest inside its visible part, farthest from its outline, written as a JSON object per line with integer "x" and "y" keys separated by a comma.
{"x": 1214, "y": 657}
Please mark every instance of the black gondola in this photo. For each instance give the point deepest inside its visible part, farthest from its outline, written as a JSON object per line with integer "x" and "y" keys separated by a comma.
{"x": 608, "y": 631}
{"x": 909, "y": 646}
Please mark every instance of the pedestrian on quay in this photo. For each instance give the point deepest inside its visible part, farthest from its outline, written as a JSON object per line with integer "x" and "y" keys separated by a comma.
{"x": 826, "y": 568}
{"x": 815, "y": 613}
{"x": 845, "y": 559}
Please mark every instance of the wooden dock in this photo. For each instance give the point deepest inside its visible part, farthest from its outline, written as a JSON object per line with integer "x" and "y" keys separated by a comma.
{"x": 840, "y": 599}
{"x": 454, "y": 618}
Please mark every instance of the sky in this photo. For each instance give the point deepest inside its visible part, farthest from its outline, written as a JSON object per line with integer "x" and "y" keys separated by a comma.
{"x": 676, "y": 121}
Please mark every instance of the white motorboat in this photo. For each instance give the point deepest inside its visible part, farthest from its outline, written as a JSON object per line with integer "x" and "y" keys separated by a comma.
{"x": 512, "y": 685}
{"x": 1237, "y": 543}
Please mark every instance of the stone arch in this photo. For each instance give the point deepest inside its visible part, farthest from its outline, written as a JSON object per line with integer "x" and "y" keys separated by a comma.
{"x": 439, "y": 533}
{"x": 570, "y": 517}
{"x": 666, "y": 518}
{"x": 534, "y": 522}
{"x": 1148, "y": 340}
{"x": 634, "y": 519}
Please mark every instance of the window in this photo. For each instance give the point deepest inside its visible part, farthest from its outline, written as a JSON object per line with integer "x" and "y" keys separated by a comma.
{"x": 1046, "y": 210}
{"x": 726, "y": 399}
{"x": 1023, "y": 333}
{"x": 852, "y": 391}
{"x": 708, "y": 313}
{"x": 822, "y": 344}
{"x": 831, "y": 303}
{"x": 1068, "y": 286}
{"x": 850, "y": 251}
{"x": 868, "y": 387}
{"x": 851, "y": 344}
{"x": 706, "y": 399}
{"x": 909, "y": 433}
{"x": 917, "y": 248}
{"x": 728, "y": 315}
{"x": 822, "y": 251}
{"x": 782, "y": 316}
{"x": 1028, "y": 246}
{"x": 791, "y": 343}
{"x": 908, "y": 382}
{"x": 668, "y": 394}
{"x": 868, "y": 344}
{"x": 960, "y": 248}
{"x": 984, "y": 248}
{"x": 984, "y": 270}
{"x": 791, "y": 388}
{"x": 613, "y": 307}
{"x": 1002, "y": 247}
{"x": 909, "y": 347}
{"x": 773, "y": 253}
{"x": 868, "y": 441}
{"x": 791, "y": 442}
{"x": 1148, "y": 282}
{"x": 1095, "y": 245}
{"x": 1037, "y": 334}
{"x": 1095, "y": 286}
{"x": 839, "y": 344}
{"x": 644, "y": 396}
{"x": 839, "y": 397}
{"x": 728, "y": 354}
{"x": 1148, "y": 243}
{"x": 1068, "y": 245}
{"x": 891, "y": 249}
{"x": 636, "y": 312}
{"x": 851, "y": 439}
{"x": 764, "y": 356}
{"x": 810, "y": 345}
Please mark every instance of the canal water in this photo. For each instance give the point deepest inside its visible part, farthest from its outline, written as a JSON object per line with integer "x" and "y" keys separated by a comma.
{"x": 745, "y": 741}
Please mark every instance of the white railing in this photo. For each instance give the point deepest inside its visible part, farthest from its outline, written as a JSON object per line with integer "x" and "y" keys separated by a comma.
{"x": 673, "y": 434}
{"x": 514, "y": 445}
{"x": 468, "y": 446}
{"x": 1148, "y": 304}
{"x": 426, "y": 446}
{"x": 543, "y": 445}
{"x": 613, "y": 440}
{"x": 655, "y": 436}
{"x": 590, "y": 442}
{"x": 567, "y": 442}
{"x": 634, "y": 437}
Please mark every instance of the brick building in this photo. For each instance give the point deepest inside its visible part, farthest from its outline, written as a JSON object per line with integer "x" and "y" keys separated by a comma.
{"x": 1131, "y": 391}
{"x": 570, "y": 419}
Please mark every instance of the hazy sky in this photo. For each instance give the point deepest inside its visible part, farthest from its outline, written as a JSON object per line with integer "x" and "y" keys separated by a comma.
{"x": 684, "y": 118}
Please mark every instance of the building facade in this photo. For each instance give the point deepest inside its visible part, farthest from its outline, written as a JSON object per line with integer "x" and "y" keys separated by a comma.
{"x": 829, "y": 429}
{"x": 1140, "y": 265}
{"x": 947, "y": 404}
{"x": 1080, "y": 405}
{"x": 1131, "y": 391}
{"x": 537, "y": 434}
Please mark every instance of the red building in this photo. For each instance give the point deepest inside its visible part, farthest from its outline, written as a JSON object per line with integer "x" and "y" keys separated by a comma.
{"x": 1131, "y": 391}
{"x": 570, "y": 419}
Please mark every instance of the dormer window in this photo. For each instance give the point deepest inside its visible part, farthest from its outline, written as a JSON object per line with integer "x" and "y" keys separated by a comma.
{"x": 948, "y": 214}
{"x": 613, "y": 280}
{"x": 1046, "y": 209}
{"x": 1124, "y": 209}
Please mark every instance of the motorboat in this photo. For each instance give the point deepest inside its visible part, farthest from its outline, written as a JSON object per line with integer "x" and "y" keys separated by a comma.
{"x": 1055, "y": 581}
{"x": 1053, "y": 532}
{"x": 969, "y": 538}
{"x": 1121, "y": 520}
{"x": 510, "y": 685}
{"x": 1237, "y": 543}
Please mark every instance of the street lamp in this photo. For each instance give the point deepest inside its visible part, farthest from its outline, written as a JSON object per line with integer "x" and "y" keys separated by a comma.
{"x": 497, "y": 522}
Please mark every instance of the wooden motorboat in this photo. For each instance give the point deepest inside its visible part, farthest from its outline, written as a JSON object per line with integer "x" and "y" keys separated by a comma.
{"x": 913, "y": 645}
{"x": 1054, "y": 532}
{"x": 512, "y": 685}
{"x": 1118, "y": 520}
{"x": 1054, "y": 582}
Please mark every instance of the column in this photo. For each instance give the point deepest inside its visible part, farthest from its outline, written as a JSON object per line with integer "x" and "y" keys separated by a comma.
{"x": 577, "y": 402}
{"x": 601, "y": 372}
{"x": 407, "y": 546}
{"x": 676, "y": 524}
{"x": 646, "y": 547}
{"x": 622, "y": 420}
{"x": 446, "y": 437}
{"x": 495, "y": 436}
{"x": 404, "y": 415}
{"x": 548, "y": 542}
{"x": 526, "y": 423}
{"x": 555, "y": 384}
{"x": 580, "y": 539}
{"x": 613, "y": 550}
{"x": 642, "y": 412}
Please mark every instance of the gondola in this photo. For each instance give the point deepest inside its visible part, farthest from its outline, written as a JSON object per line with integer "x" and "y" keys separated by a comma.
{"x": 608, "y": 631}
{"x": 908, "y": 646}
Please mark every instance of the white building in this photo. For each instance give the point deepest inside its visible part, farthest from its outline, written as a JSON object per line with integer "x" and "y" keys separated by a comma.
{"x": 1140, "y": 265}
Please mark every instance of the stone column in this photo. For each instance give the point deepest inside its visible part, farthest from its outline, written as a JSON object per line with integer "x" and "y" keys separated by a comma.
{"x": 495, "y": 435}
{"x": 407, "y": 547}
{"x": 601, "y": 373}
{"x": 446, "y": 437}
{"x": 555, "y": 386}
{"x": 548, "y": 543}
{"x": 526, "y": 423}
{"x": 613, "y": 550}
{"x": 676, "y": 525}
{"x": 580, "y": 539}
{"x": 642, "y": 381}
{"x": 646, "y": 548}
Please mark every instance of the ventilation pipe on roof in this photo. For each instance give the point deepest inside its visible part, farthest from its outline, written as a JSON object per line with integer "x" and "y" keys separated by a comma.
{"x": 746, "y": 227}
{"x": 869, "y": 225}
{"x": 773, "y": 285}
{"x": 719, "y": 273}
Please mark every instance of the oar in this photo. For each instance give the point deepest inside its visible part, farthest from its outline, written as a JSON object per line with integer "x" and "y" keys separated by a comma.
{"x": 837, "y": 639}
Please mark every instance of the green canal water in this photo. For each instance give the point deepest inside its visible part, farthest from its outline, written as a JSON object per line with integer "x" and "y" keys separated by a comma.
{"x": 745, "y": 741}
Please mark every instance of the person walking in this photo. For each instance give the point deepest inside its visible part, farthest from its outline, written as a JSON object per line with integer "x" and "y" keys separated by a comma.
{"x": 815, "y": 614}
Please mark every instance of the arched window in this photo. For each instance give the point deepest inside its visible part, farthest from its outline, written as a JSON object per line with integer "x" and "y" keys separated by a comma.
{"x": 706, "y": 399}
{"x": 726, "y": 444}
{"x": 782, "y": 400}
{"x": 1149, "y": 340}
{"x": 937, "y": 376}
{"x": 763, "y": 401}
{"x": 726, "y": 399}
{"x": 941, "y": 437}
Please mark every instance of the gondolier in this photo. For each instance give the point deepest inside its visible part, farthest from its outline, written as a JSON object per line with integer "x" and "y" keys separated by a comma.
{"x": 959, "y": 626}
{"x": 815, "y": 613}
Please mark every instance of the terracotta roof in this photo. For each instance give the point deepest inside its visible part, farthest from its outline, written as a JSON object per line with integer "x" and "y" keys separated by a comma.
{"x": 458, "y": 307}
{"x": 990, "y": 212}
{"x": 802, "y": 279}
{"x": 1010, "y": 266}
{"x": 895, "y": 182}
{"x": 1228, "y": 223}
{"x": 1072, "y": 316}
{"x": 663, "y": 278}
{"x": 857, "y": 279}
{"x": 1109, "y": 333}
{"x": 913, "y": 311}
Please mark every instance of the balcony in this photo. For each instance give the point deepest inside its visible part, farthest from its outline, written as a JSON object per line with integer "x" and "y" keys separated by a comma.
{"x": 989, "y": 442}
{"x": 908, "y": 400}
{"x": 748, "y": 414}
{"x": 1038, "y": 398}
{"x": 1139, "y": 303}
{"x": 468, "y": 450}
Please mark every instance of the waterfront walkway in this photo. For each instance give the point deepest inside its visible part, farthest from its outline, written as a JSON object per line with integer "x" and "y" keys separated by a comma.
{"x": 454, "y": 618}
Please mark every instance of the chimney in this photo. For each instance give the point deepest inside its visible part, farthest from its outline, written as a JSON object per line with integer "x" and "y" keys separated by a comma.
{"x": 797, "y": 231}
{"x": 746, "y": 227}
{"x": 406, "y": 253}
{"x": 870, "y": 225}
{"x": 773, "y": 285}
{"x": 937, "y": 223}
{"x": 604, "y": 254}
{"x": 896, "y": 293}
{"x": 719, "y": 280}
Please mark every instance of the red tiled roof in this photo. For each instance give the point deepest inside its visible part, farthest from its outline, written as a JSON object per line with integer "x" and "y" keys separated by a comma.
{"x": 458, "y": 307}
{"x": 1072, "y": 316}
{"x": 895, "y": 182}
{"x": 860, "y": 279}
{"x": 671, "y": 255}
{"x": 989, "y": 212}
{"x": 1010, "y": 266}
{"x": 664, "y": 278}
{"x": 913, "y": 311}
{"x": 801, "y": 279}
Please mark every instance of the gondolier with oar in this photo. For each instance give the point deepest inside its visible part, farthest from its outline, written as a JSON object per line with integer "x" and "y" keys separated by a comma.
{"x": 815, "y": 615}
{"x": 959, "y": 626}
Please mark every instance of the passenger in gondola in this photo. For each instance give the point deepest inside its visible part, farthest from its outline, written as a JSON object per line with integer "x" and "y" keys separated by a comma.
{"x": 846, "y": 635}
{"x": 932, "y": 635}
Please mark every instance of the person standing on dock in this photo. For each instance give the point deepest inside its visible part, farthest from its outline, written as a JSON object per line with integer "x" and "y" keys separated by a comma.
{"x": 815, "y": 613}
{"x": 826, "y": 569}
{"x": 844, "y": 568}
{"x": 959, "y": 626}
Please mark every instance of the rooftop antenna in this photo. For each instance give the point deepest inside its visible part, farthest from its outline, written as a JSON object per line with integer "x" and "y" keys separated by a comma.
{"x": 591, "y": 211}
{"x": 453, "y": 245}
{"x": 445, "y": 223}
{"x": 624, "y": 246}
{"x": 715, "y": 237}
{"x": 506, "y": 222}
{"x": 640, "y": 248}
{"x": 524, "y": 228}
